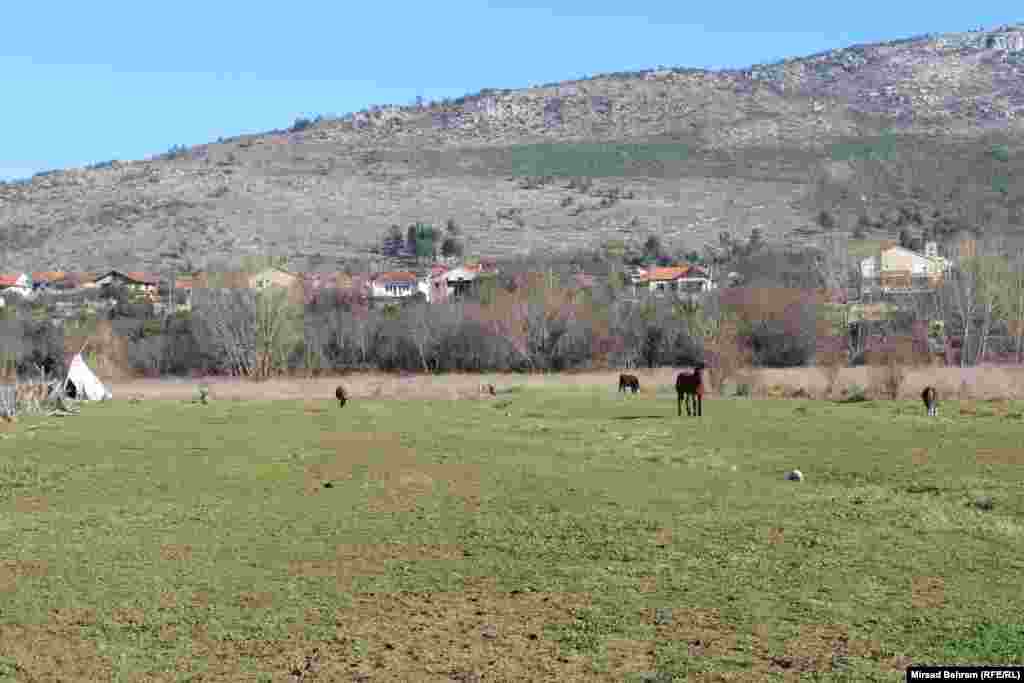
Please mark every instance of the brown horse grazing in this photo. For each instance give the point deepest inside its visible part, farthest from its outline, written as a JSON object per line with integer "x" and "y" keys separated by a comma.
{"x": 340, "y": 394}
{"x": 931, "y": 401}
{"x": 690, "y": 385}
{"x": 629, "y": 382}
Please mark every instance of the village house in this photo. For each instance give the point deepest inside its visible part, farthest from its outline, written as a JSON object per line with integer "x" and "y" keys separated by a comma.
{"x": 135, "y": 282}
{"x": 447, "y": 284}
{"x": 397, "y": 285}
{"x": 181, "y": 299}
{"x": 686, "y": 280}
{"x": 19, "y": 284}
{"x": 454, "y": 282}
{"x": 897, "y": 267}
{"x": 47, "y": 280}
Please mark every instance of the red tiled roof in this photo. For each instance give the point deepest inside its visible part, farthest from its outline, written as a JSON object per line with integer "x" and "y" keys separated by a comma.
{"x": 144, "y": 278}
{"x": 668, "y": 273}
{"x": 395, "y": 277}
{"x": 48, "y": 276}
{"x": 663, "y": 274}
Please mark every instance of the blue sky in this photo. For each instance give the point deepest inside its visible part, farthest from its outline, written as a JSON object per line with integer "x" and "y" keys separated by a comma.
{"x": 83, "y": 82}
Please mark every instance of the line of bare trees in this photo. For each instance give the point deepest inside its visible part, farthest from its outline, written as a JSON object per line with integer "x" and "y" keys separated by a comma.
{"x": 531, "y": 319}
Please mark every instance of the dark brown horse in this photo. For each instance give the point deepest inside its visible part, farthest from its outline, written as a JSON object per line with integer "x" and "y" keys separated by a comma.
{"x": 340, "y": 394}
{"x": 931, "y": 401}
{"x": 631, "y": 382}
{"x": 690, "y": 385}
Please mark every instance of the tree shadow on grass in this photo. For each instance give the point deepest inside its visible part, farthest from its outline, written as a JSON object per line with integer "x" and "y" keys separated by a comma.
{"x": 639, "y": 417}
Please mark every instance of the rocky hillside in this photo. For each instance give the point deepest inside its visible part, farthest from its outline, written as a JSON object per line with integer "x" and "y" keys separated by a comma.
{"x": 682, "y": 153}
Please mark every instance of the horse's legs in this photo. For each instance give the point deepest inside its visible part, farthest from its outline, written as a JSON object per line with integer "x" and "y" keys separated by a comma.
{"x": 679, "y": 404}
{"x": 700, "y": 401}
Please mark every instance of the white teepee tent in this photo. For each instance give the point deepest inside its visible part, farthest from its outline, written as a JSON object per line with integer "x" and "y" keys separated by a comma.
{"x": 83, "y": 384}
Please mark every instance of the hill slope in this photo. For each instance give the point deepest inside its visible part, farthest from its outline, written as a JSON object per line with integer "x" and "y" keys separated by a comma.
{"x": 689, "y": 153}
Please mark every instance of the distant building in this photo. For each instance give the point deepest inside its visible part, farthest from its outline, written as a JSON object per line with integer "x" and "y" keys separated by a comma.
{"x": 686, "y": 280}
{"x": 397, "y": 285}
{"x": 19, "y": 283}
{"x": 136, "y": 282}
{"x": 451, "y": 283}
{"x": 899, "y": 268}
{"x": 46, "y": 280}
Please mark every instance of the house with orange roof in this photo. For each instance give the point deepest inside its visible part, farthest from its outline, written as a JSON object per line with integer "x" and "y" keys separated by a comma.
{"x": 47, "y": 279}
{"x": 679, "y": 280}
{"x": 398, "y": 284}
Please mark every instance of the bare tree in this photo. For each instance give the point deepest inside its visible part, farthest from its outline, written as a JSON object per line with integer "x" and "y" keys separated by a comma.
{"x": 224, "y": 324}
{"x": 970, "y": 294}
{"x": 421, "y": 330}
{"x": 278, "y": 327}
{"x": 834, "y": 262}
{"x": 1012, "y": 301}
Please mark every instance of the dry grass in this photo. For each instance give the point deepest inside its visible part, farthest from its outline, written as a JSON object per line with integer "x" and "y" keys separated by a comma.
{"x": 980, "y": 383}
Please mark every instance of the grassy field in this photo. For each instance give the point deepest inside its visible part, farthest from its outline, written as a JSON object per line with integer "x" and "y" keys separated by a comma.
{"x": 555, "y": 532}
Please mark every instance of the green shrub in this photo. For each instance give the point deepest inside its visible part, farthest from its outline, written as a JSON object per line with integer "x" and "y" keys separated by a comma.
{"x": 854, "y": 394}
{"x": 152, "y": 328}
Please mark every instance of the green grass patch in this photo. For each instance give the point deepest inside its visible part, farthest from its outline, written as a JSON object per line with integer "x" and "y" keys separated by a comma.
{"x": 553, "y": 530}
{"x": 592, "y": 159}
{"x": 988, "y": 642}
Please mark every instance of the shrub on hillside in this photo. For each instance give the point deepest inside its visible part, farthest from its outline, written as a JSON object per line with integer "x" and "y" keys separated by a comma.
{"x": 451, "y": 247}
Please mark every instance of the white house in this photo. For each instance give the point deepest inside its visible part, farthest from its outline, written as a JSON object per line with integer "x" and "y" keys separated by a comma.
{"x": 895, "y": 262}
{"x": 449, "y": 283}
{"x": 679, "y": 280}
{"x": 398, "y": 285}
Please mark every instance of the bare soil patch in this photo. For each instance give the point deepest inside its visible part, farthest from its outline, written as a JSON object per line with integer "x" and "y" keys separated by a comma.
{"x": 52, "y": 652}
{"x": 701, "y": 629}
{"x": 982, "y": 383}
{"x": 13, "y": 571}
{"x": 1000, "y": 456}
{"x": 355, "y": 560}
{"x": 648, "y": 584}
{"x": 403, "y": 478}
{"x": 471, "y": 634}
{"x": 173, "y": 552}
{"x": 431, "y": 636}
{"x": 927, "y": 592}
{"x": 31, "y": 504}
{"x": 255, "y": 600}
{"x": 629, "y": 656}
